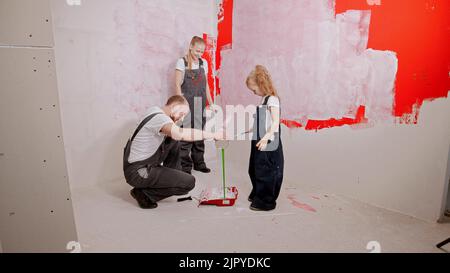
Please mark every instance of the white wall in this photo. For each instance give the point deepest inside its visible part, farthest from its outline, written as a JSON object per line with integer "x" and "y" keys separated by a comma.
{"x": 114, "y": 59}
{"x": 398, "y": 167}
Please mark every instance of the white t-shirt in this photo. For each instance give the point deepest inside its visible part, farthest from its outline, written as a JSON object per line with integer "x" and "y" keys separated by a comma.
{"x": 272, "y": 102}
{"x": 149, "y": 138}
{"x": 180, "y": 66}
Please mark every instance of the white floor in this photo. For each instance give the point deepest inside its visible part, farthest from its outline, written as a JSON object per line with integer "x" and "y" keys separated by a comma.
{"x": 109, "y": 220}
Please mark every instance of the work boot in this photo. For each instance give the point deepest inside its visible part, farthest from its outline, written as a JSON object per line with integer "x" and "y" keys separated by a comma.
{"x": 142, "y": 199}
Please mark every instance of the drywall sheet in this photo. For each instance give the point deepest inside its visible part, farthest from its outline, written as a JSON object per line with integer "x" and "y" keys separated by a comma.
{"x": 25, "y": 23}
{"x": 36, "y": 212}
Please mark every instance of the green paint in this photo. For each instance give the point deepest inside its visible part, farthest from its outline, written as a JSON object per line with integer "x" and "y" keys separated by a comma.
{"x": 223, "y": 172}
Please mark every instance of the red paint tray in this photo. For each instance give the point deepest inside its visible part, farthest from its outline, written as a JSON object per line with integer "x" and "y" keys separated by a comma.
{"x": 217, "y": 198}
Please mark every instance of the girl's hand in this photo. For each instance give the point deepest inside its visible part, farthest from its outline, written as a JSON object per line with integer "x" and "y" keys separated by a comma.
{"x": 262, "y": 144}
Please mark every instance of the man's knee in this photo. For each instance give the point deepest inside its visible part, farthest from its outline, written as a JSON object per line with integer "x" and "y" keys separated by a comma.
{"x": 189, "y": 182}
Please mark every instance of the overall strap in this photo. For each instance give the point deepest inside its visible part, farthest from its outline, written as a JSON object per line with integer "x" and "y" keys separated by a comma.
{"x": 147, "y": 119}
{"x": 266, "y": 99}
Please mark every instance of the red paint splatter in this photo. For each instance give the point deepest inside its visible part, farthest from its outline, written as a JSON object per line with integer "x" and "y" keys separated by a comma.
{"x": 418, "y": 31}
{"x": 299, "y": 205}
{"x": 225, "y": 33}
{"x": 209, "y": 56}
{"x": 291, "y": 123}
{"x": 321, "y": 124}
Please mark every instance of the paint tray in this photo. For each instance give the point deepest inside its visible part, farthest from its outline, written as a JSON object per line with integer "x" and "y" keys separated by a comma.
{"x": 217, "y": 197}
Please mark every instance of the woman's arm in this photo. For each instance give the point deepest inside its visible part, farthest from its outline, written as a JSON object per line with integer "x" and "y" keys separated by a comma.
{"x": 208, "y": 95}
{"x": 178, "y": 81}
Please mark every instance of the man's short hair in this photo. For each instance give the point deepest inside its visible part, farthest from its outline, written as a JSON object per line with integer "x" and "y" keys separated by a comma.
{"x": 177, "y": 99}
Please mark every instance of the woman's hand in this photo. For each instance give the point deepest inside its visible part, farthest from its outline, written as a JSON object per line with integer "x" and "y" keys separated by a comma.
{"x": 214, "y": 108}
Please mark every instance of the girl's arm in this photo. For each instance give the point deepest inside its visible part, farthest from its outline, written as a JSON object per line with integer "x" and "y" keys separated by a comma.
{"x": 275, "y": 114}
{"x": 178, "y": 81}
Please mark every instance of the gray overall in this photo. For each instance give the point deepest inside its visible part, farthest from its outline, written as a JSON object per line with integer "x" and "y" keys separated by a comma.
{"x": 155, "y": 180}
{"x": 194, "y": 90}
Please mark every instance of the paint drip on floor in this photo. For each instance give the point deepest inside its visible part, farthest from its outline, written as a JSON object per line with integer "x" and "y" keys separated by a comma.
{"x": 300, "y": 205}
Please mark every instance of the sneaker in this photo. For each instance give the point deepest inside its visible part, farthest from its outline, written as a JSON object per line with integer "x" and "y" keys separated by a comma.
{"x": 202, "y": 169}
{"x": 259, "y": 209}
{"x": 142, "y": 199}
{"x": 250, "y": 199}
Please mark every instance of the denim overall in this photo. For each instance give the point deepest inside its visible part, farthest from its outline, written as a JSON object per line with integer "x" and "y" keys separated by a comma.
{"x": 265, "y": 167}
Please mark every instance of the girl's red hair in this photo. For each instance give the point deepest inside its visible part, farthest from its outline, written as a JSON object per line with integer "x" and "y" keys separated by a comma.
{"x": 261, "y": 77}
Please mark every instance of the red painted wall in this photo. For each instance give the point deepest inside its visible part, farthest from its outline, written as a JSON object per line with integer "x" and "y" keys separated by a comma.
{"x": 418, "y": 31}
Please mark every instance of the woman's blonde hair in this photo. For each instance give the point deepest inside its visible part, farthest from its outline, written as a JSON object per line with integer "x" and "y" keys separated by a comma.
{"x": 261, "y": 77}
{"x": 195, "y": 40}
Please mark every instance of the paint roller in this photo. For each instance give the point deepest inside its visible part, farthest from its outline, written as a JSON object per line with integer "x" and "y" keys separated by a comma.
{"x": 205, "y": 199}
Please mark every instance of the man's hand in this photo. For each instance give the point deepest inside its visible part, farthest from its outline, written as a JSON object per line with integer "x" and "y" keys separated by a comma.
{"x": 222, "y": 144}
{"x": 219, "y": 135}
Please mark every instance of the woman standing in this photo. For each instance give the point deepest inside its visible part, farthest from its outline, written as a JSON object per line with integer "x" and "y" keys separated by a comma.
{"x": 190, "y": 78}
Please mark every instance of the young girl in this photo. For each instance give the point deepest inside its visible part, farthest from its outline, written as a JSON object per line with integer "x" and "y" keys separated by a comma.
{"x": 266, "y": 157}
{"x": 190, "y": 79}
